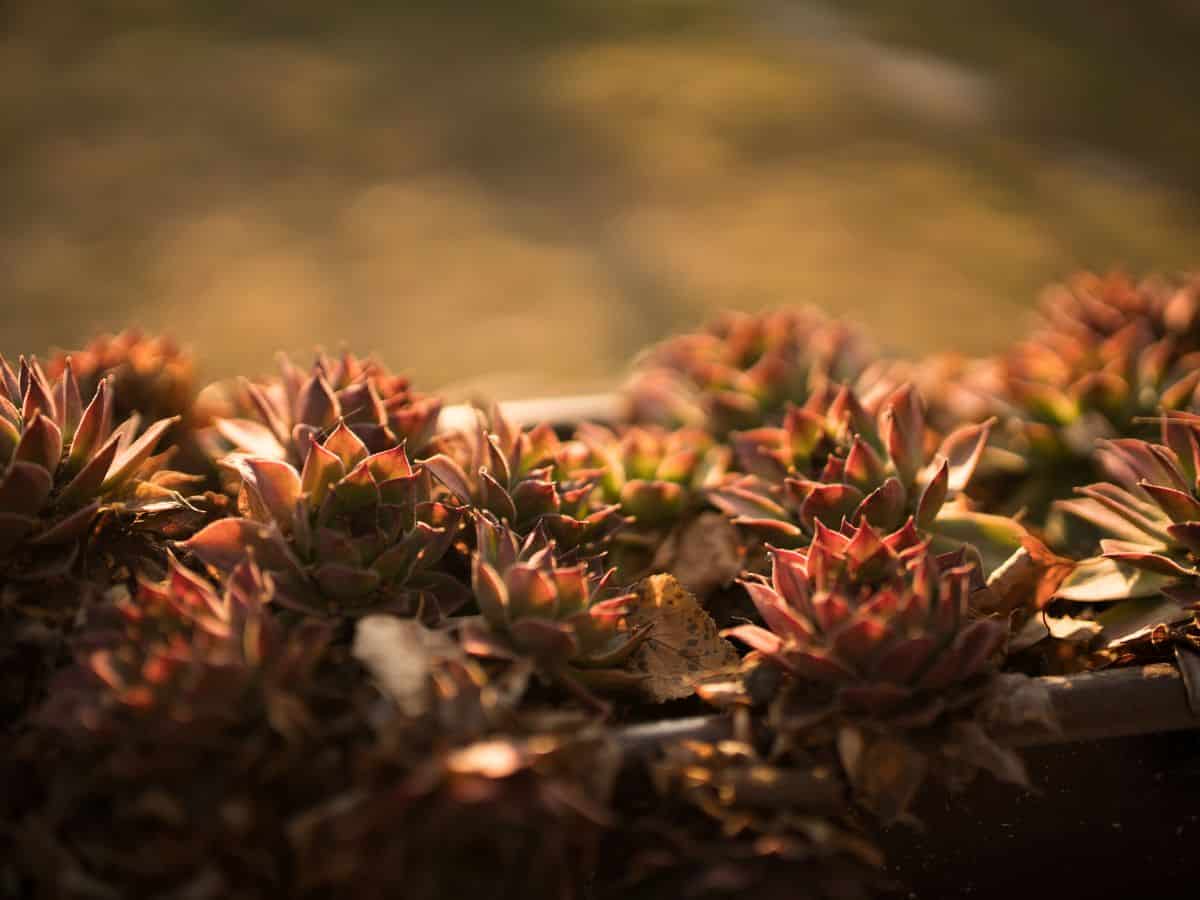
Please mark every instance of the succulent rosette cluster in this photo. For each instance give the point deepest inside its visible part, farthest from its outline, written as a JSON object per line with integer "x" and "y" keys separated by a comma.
{"x": 278, "y": 418}
{"x": 1106, "y": 356}
{"x": 563, "y": 616}
{"x": 743, "y": 370}
{"x": 1149, "y": 517}
{"x": 880, "y": 470}
{"x": 351, "y": 532}
{"x": 201, "y": 725}
{"x": 64, "y": 462}
{"x": 873, "y": 624}
{"x": 657, "y": 478}
{"x": 151, "y": 375}
{"x": 511, "y": 474}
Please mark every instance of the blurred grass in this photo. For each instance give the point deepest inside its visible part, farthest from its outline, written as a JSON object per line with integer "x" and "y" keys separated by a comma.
{"x": 517, "y": 199}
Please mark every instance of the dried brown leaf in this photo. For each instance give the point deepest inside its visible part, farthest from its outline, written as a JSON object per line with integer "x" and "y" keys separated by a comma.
{"x": 684, "y": 649}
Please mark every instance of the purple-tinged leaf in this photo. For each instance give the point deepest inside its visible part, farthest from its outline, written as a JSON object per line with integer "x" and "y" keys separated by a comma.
{"x": 829, "y": 503}
{"x": 530, "y": 593}
{"x": 450, "y": 474}
{"x": 778, "y": 615}
{"x": 818, "y": 665}
{"x": 884, "y": 507}
{"x": 1181, "y": 506}
{"x": 70, "y": 404}
{"x": 859, "y": 640}
{"x": 356, "y": 491}
{"x": 977, "y": 644}
{"x": 495, "y": 499}
{"x": 491, "y": 593}
{"x": 38, "y": 395}
{"x": 346, "y": 446}
{"x": 545, "y": 639}
{"x": 225, "y": 543}
{"x": 765, "y": 642}
{"x": 1151, "y": 562}
{"x": 275, "y": 419}
{"x": 963, "y": 449}
{"x": 1187, "y": 534}
{"x": 94, "y": 428}
{"x": 24, "y": 488}
{"x": 318, "y": 406}
{"x": 902, "y": 426}
{"x": 747, "y": 499}
{"x": 86, "y": 485}
{"x": 933, "y": 497}
{"x": 278, "y": 488}
{"x": 69, "y": 529}
{"x": 345, "y": 583}
{"x": 40, "y": 444}
{"x": 322, "y": 469}
{"x": 863, "y": 468}
{"x": 902, "y": 661}
{"x": 125, "y": 466}
{"x": 390, "y": 464}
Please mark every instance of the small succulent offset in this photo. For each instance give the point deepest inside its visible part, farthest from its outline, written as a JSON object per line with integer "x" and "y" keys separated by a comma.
{"x": 1149, "y": 514}
{"x": 881, "y": 473}
{"x": 743, "y": 370}
{"x": 557, "y": 614}
{"x": 872, "y": 625}
{"x": 510, "y": 473}
{"x": 279, "y": 417}
{"x": 351, "y": 532}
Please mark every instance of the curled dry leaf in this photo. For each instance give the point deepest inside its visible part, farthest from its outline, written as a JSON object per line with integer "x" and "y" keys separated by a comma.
{"x": 399, "y": 654}
{"x": 1029, "y": 578}
{"x": 683, "y": 650}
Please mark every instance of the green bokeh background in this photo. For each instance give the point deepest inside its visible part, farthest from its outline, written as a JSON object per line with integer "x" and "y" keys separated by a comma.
{"x": 514, "y": 198}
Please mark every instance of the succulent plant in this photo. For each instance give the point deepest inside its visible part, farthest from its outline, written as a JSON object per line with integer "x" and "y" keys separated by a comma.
{"x": 69, "y": 481}
{"x": 1149, "y": 516}
{"x": 874, "y": 625}
{"x": 351, "y": 532}
{"x": 201, "y": 726}
{"x": 186, "y": 653}
{"x": 741, "y": 371}
{"x": 1106, "y": 356}
{"x": 510, "y": 473}
{"x": 278, "y": 418}
{"x": 880, "y": 472}
{"x": 151, "y": 375}
{"x": 657, "y": 478}
{"x": 534, "y": 606}
{"x": 64, "y": 463}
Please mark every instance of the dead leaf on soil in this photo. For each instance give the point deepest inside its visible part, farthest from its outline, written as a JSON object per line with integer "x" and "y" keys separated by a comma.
{"x": 684, "y": 649}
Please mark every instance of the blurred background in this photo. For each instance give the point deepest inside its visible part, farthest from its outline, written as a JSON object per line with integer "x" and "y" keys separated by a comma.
{"x": 514, "y": 199}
